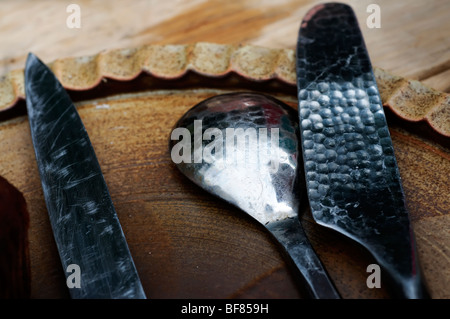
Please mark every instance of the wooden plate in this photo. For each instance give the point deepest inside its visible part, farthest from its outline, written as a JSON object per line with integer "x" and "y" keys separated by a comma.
{"x": 185, "y": 243}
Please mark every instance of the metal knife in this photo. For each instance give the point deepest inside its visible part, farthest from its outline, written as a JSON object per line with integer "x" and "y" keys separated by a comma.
{"x": 84, "y": 222}
{"x": 353, "y": 181}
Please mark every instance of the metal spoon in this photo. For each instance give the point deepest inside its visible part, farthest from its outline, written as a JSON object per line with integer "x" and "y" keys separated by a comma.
{"x": 244, "y": 148}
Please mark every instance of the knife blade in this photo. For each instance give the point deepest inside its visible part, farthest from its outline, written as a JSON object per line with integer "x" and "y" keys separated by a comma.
{"x": 85, "y": 225}
{"x": 353, "y": 181}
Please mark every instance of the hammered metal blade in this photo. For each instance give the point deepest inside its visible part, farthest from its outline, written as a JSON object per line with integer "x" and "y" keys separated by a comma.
{"x": 353, "y": 181}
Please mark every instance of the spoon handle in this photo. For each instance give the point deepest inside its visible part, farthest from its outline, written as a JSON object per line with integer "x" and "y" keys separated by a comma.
{"x": 290, "y": 233}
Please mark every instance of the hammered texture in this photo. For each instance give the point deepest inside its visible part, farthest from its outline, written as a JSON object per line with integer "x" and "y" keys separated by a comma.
{"x": 352, "y": 176}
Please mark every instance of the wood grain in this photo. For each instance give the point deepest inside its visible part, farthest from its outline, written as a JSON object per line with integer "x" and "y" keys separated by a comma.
{"x": 413, "y": 40}
{"x": 185, "y": 243}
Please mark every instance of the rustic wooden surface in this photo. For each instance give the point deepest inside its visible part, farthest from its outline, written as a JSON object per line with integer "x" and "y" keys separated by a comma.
{"x": 185, "y": 243}
{"x": 413, "y": 40}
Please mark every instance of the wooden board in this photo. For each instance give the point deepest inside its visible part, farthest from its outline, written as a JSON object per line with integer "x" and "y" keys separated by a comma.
{"x": 413, "y": 40}
{"x": 185, "y": 243}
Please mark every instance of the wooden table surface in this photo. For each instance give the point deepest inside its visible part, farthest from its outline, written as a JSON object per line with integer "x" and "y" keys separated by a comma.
{"x": 413, "y": 42}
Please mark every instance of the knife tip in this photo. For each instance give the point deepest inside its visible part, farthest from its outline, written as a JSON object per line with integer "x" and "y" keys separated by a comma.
{"x": 32, "y": 59}
{"x": 335, "y": 7}
{"x": 33, "y": 71}
{"x": 31, "y": 56}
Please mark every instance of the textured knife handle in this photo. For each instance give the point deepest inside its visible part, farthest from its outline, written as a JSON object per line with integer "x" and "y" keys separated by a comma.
{"x": 291, "y": 235}
{"x": 352, "y": 177}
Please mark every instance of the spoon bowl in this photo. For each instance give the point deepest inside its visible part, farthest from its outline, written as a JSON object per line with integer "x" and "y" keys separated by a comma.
{"x": 244, "y": 149}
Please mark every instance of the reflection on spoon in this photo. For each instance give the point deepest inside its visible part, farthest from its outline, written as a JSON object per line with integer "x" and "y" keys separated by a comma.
{"x": 244, "y": 148}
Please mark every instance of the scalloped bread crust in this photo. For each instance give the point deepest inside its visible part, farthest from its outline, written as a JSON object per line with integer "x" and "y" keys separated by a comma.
{"x": 408, "y": 99}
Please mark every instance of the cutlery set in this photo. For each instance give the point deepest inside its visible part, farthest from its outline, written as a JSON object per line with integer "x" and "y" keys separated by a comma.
{"x": 337, "y": 146}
